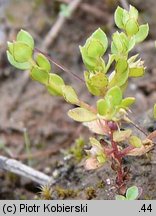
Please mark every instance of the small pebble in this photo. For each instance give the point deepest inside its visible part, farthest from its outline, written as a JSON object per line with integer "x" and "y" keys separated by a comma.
{"x": 108, "y": 181}
{"x": 56, "y": 173}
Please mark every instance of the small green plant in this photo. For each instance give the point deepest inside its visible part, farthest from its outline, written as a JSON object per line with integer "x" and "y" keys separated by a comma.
{"x": 132, "y": 193}
{"x": 111, "y": 112}
{"x": 77, "y": 149}
{"x": 64, "y": 10}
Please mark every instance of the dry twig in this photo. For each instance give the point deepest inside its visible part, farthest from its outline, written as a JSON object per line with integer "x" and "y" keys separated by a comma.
{"x": 21, "y": 169}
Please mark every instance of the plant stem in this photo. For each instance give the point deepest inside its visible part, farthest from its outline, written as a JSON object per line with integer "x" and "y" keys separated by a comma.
{"x": 87, "y": 106}
{"x": 118, "y": 157}
{"x": 60, "y": 66}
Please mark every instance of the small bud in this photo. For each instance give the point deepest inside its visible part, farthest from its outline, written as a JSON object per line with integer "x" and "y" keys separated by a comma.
{"x": 112, "y": 125}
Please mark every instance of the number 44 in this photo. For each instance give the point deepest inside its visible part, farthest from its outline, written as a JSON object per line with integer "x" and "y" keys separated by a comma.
{"x": 148, "y": 208}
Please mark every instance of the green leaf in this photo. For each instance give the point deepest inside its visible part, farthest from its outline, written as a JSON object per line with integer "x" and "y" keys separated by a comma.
{"x": 89, "y": 62}
{"x": 131, "y": 44}
{"x": 10, "y": 47}
{"x": 118, "y": 17}
{"x": 70, "y": 95}
{"x": 126, "y": 102}
{"x": 131, "y": 27}
{"x": 25, "y": 37}
{"x": 136, "y": 72}
{"x": 96, "y": 83}
{"x": 125, "y": 41}
{"x": 121, "y": 44}
{"x": 135, "y": 141}
{"x": 120, "y": 197}
{"x": 92, "y": 64}
{"x": 132, "y": 58}
{"x": 43, "y": 62}
{"x": 103, "y": 106}
{"x": 124, "y": 86}
{"x": 126, "y": 17}
{"x": 95, "y": 142}
{"x": 82, "y": 115}
{"x": 121, "y": 73}
{"x": 132, "y": 193}
{"x": 117, "y": 43}
{"x": 22, "y": 52}
{"x": 119, "y": 136}
{"x": 142, "y": 33}
{"x": 114, "y": 49}
{"x": 133, "y": 12}
{"x": 110, "y": 61}
{"x": 115, "y": 95}
{"x": 97, "y": 150}
{"x": 154, "y": 111}
{"x": 101, "y": 37}
{"x": 55, "y": 84}
{"x": 94, "y": 48}
{"x": 22, "y": 66}
{"x": 107, "y": 106}
{"x": 39, "y": 75}
{"x": 101, "y": 158}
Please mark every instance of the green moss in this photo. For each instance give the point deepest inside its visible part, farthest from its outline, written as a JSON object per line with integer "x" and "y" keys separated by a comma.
{"x": 46, "y": 192}
{"x": 12, "y": 178}
{"x": 90, "y": 193}
{"x": 147, "y": 197}
{"x": 77, "y": 149}
{"x": 65, "y": 193}
{"x": 100, "y": 184}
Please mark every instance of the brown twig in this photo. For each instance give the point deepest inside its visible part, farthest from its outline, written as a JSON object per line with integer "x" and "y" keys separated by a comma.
{"x": 52, "y": 34}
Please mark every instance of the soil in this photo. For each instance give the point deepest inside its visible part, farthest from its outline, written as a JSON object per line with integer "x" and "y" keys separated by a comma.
{"x": 27, "y": 110}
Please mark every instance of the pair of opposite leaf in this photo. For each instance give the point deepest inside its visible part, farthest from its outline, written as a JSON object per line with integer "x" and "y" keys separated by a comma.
{"x": 98, "y": 154}
{"x": 20, "y": 54}
{"x": 132, "y": 193}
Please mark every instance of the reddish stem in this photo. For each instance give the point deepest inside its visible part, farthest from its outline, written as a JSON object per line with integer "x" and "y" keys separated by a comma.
{"x": 118, "y": 157}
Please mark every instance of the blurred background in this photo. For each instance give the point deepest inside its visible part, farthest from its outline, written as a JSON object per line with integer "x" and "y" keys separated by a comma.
{"x": 34, "y": 127}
